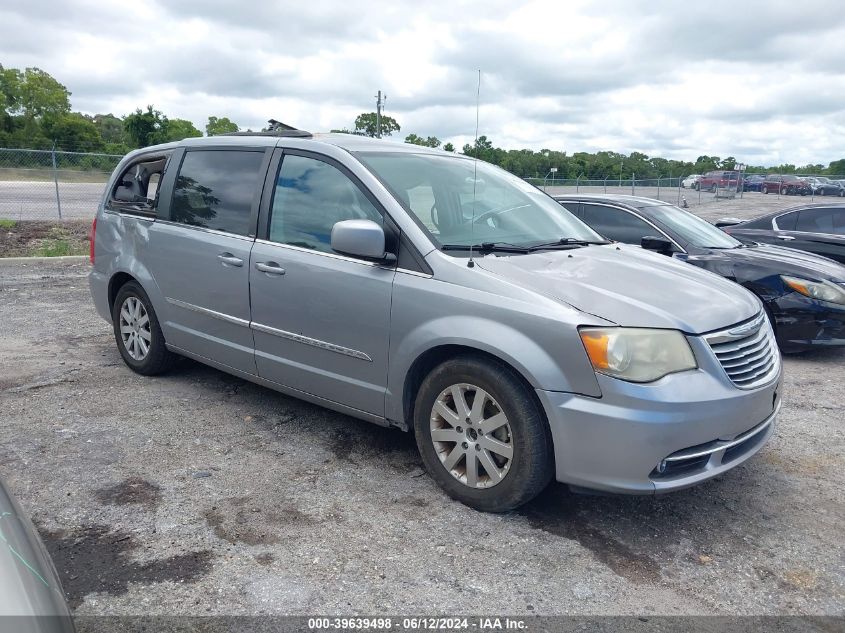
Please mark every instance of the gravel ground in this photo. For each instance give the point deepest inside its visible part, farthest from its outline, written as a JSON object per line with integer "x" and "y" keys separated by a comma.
{"x": 199, "y": 493}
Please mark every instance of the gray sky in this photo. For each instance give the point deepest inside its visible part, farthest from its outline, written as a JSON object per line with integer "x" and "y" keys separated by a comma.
{"x": 761, "y": 81}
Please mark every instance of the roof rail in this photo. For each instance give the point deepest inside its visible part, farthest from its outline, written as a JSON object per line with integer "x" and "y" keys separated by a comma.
{"x": 275, "y": 128}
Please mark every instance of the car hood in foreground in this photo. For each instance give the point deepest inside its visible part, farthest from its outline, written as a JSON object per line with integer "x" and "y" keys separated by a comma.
{"x": 629, "y": 286}
{"x": 757, "y": 262}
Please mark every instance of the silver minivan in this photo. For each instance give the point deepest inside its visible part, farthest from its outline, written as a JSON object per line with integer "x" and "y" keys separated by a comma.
{"x": 438, "y": 294}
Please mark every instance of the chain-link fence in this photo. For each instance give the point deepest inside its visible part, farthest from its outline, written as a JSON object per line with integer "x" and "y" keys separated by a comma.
{"x": 52, "y": 185}
{"x": 56, "y": 185}
{"x": 671, "y": 189}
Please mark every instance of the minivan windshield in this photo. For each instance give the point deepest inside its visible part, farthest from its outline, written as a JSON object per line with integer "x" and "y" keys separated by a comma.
{"x": 690, "y": 228}
{"x": 460, "y": 202}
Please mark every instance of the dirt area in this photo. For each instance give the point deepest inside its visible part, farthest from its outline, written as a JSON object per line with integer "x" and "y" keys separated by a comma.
{"x": 197, "y": 493}
{"x": 33, "y": 238}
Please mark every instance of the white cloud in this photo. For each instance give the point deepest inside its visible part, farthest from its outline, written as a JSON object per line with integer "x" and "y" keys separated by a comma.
{"x": 759, "y": 81}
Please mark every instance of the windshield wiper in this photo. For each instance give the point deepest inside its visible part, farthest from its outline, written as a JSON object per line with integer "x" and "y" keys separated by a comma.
{"x": 566, "y": 242}
{"x": 487, "y": 247}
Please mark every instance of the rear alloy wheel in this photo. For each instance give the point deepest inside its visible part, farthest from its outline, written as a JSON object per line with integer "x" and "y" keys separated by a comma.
{"x": 481, "y": 434}
{"x": 784, "y": 191}
{"x": 137, "y": 332}
{"x": 821, "y": 192}
{"x": 764, "y": 190}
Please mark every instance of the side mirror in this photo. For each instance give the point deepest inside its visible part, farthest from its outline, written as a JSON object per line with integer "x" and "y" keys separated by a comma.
{"x": 657, "y": 244}
{"x": 360, "y": 238}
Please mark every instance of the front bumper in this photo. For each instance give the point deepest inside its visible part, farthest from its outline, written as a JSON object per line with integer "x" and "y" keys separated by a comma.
{"x": 688, "y": 422}
{"x": 801, "y": 322}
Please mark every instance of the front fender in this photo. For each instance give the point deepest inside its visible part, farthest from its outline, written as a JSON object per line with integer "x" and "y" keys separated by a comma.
{"x": 542, "y": 345}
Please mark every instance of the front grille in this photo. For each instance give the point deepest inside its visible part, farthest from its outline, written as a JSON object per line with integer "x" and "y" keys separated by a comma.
{"x": 747, "y": 352}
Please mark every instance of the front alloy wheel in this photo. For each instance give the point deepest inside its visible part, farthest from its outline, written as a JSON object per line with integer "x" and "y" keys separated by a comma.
{"x": 471, "y": 435}
{"x": 481, "y": 433}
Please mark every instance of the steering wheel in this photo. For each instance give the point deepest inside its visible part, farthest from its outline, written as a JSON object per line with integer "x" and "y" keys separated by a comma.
{"x": 495, "y": 212}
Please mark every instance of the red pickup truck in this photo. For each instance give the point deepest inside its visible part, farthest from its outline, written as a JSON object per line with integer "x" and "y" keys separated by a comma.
{"x": 717, "y": 179}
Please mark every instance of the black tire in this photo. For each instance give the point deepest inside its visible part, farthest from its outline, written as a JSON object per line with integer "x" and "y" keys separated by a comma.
{"x": 784, "y": 191}
{"x": 158, "y": 358}
{"x": 697, "y": 187}
{"x": 532, "y": 465}
{"x": 764, "y": 190}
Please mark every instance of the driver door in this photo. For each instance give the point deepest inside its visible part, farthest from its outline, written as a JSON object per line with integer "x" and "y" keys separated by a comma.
{"x": 321, "y": 320}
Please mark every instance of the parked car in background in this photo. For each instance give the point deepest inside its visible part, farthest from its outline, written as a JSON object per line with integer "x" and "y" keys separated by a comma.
{"x": 31, "y": 596}
{"x": 822, "y": 186}
{"x": 786, "y": 185}
{"x": 713, "y": 180}
{"x": 432, "y": 292}
{"x": 818, "y": 228}
{"x": 804, "y": 294}
{"x": 689, "y": 181}
{"x": 753, "y": 182}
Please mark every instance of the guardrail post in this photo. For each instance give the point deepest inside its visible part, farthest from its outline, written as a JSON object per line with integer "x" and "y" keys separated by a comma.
{"x": 633, "y": 180}
{"x": 577, "y": 184}
{"x": 56, "y": 180}
{"x": 658, "y": 187}
{"x": 605, "y": 184}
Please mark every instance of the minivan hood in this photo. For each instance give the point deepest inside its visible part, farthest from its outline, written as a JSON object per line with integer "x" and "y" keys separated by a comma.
{"x": 629, "y": 286}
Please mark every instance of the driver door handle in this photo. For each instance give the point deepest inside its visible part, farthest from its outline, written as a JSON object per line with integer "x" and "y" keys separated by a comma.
{"x": 271, "y": 268}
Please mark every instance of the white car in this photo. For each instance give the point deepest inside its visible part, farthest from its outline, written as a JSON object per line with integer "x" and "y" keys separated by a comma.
{"x": 689, "y": 181}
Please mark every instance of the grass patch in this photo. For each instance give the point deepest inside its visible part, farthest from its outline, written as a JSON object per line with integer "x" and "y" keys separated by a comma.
{"x": 38, "y": 238}
{"x": 59, "y": 248}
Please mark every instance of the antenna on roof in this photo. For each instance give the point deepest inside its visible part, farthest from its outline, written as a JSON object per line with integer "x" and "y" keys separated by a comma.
{"x": 471, "y": 263}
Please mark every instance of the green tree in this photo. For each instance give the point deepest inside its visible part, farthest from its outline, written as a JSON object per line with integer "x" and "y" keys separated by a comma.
{"x": 449, "y": 147}
{"x": 837, "y": 167}
{"x": 110, "y": 128}
{"x": 431, "y": 141}
{"x": 366, "y": 123}
{"x": 176, "y": 130}
{"x": 39, "y": 94}
{"x": 222, "y": 125}
{"x": 73, "y": 132}
{"x": 145, "y": 127}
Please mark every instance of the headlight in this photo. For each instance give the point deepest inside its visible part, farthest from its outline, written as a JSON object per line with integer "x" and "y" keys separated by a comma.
{"x": 637, "y": 354}
{"x": 821, "y": 290}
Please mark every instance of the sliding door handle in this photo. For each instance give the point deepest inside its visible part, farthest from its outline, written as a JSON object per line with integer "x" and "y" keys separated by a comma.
{"x": 227, "y": 259}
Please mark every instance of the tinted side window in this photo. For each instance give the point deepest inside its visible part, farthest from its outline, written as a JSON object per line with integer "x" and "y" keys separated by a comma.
{"x": 310, "y": 197}
{"x": 216, "y": 189}
{"x": 821, "y": 221}
{"x": 617, "y": 224}
{"x": 761, "y": 223}
{"x": 787, "y": 221}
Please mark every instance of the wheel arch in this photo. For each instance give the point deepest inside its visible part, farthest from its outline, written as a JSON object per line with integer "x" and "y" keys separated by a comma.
{"x": 434, "y": 356}
{"x": 116, "y": 282}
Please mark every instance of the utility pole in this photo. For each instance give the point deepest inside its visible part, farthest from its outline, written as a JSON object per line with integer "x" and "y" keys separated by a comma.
{"x": 380, "y": 99}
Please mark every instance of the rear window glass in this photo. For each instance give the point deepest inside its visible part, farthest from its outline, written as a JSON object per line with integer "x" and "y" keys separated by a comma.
{"x": 216, "y": 189}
